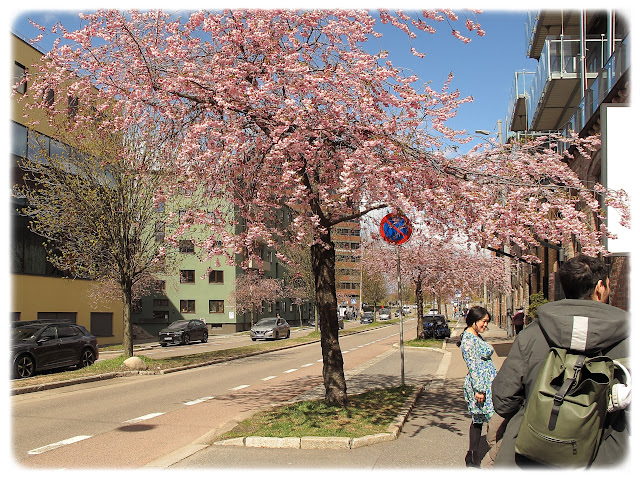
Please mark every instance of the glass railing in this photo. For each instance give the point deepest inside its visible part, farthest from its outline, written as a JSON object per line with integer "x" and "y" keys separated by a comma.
{"x": 600, "y": 87}
{"x": 519, "y": 88}
{"x": 560, "y": 58}
{"x": 530, "y": 27}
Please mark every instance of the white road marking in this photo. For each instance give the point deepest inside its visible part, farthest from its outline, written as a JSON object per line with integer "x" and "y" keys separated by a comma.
{"x": 239, "y": 387}
{"x": 198, "y": 400}
{"x": 52, "y": 446}
{"x": 268, "y": 378}
{"x": 143, "y": 418}
{"x": 306, "y": 365}
{"x": 289, "y": 371}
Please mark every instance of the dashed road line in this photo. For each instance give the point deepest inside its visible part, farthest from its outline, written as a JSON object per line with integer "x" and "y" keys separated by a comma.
{"x": 271, "y": 377}
{"x": 239, "y": 387}
{"x": 62, "y": 443}
{"x": 143, "y": 418}
{"x": 198, "y": 400}
{"x": 306, "y": 365}
{"x": 291, "y": 370}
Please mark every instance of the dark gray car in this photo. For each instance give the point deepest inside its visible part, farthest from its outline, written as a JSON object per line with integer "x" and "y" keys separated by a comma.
{"x": 184, "y": 332}
{"x": 39, "y": 346}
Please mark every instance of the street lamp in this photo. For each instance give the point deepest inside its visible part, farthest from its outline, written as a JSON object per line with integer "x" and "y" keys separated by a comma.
{"x": 499, "y": 132}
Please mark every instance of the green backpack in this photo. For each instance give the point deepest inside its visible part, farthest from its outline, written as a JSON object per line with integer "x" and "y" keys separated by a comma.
{"x": 565, "y": 413}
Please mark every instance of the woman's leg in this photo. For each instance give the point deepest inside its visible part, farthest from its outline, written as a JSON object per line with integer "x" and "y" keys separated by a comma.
{"x": 475, "y": 433}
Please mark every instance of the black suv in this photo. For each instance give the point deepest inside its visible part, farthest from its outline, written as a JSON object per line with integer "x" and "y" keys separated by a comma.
{"x": 435, "y": 326}
{"x": 45, "y": 345}
{"x": 184, "y": 331}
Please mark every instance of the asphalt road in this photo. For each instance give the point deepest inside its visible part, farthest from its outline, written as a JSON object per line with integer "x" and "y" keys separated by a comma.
{"x": 130, "y": 422}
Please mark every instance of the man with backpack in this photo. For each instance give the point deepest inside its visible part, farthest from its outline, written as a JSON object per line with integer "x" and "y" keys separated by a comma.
{"x": 584, "y": 327}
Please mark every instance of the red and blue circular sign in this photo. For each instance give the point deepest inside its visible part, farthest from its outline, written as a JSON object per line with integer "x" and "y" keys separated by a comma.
{"x": 395, "y": 228}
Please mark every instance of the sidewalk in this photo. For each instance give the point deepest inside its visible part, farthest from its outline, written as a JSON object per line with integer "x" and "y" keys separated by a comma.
{"x": 434, "y": 435}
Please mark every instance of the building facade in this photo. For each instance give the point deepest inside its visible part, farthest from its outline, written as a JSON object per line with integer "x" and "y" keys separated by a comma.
{"x": 38, "y": 290}
{"x": 583, "y": 69}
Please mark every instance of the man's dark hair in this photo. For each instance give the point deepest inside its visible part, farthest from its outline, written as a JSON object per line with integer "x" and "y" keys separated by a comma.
{"x": 580, "y": 275}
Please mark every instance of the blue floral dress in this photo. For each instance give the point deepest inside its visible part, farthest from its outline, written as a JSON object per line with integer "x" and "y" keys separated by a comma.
{"x": 477, "y": 355}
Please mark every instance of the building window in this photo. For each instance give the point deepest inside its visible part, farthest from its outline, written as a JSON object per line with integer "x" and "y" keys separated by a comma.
{"x": 159, "y": 232}
{"x": 19, "y": 74}
{"x": 62, "y": 316}
{"x": 160, "y": 302}
{"x": 160, "y": 286}
{"x": 102, "y": 324}
{"x": 187, "y": 306}
{"x": 136, "y": 306}
{"x": 187, "y": 246}
{"x": 161, "y": 315}
{"x": 216, "y": 306}
{"x": 48, "y": 96}
{"x": 216, "y": 276}
{"x": 187, "y": 276}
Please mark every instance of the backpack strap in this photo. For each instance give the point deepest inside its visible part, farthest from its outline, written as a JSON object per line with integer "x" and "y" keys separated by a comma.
{"x": 558, "y": 398}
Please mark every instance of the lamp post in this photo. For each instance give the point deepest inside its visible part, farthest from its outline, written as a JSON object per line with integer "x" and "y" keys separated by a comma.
{"x": 499, "y": 132}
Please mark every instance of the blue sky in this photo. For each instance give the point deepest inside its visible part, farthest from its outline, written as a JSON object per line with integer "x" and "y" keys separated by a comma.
{"x": 483, "y": 68}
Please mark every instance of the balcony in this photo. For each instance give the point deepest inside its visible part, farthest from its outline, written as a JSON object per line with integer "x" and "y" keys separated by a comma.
{"x": 556, "y": 88}
{"x": 517, "y": 112}
{"x": 601, "y": 87}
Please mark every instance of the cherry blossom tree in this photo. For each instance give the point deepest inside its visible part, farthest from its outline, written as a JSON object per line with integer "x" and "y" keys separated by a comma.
{"x": 437, "y": 267}
{"x": 253, "y": 290}
{"x": 282, "y": 108}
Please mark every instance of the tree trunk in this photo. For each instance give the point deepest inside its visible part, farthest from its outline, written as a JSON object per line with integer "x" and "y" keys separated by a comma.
{"x": 127, "y": 337}
{"x": 316, "y": 317}
{"x": 420, "y": 331}
{"x": 323, "y": 257}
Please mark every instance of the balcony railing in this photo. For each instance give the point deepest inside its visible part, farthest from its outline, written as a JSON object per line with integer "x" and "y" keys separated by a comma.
{"x": 519, "y": 89}
{"x": 599, "y": 88}
{"x": 560, "y": 59}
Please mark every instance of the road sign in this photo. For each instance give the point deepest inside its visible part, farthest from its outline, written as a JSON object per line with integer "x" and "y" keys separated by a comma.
{"x": 395, "y": 228}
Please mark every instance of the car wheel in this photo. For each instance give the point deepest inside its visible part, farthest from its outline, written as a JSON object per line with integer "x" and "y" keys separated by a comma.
{"x": 86, "y": 358}
{"x": 254, "y": 339}
{"x": 163, "y": 344}
{"x": 186, "y": 339}
{"x": 25, "y": 367}
{"x": 205, "y": 337}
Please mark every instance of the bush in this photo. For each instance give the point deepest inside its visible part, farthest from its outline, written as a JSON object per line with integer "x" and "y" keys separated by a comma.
{"x": 535, "y": 300}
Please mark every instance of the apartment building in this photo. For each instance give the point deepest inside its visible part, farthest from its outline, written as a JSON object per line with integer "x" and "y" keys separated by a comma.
{"x": 346, "y": 237}
{"x": 583, "y": 72}
{"x": 38, "y": 290}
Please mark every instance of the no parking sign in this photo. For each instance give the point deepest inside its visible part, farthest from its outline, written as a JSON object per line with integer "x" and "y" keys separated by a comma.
{"x": 395, "y": 228}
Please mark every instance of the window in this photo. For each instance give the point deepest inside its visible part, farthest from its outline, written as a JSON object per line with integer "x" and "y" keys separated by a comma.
{"x": 216, "y": 306}
{"x": 19, "y": 74}
{"x": 160, "y": 302}
{"x": 63, "y": 316}
{"x": 136, "y": 305}
{"x": 101, "y": 324}
{"x": 18, "y": 139}
{"x": 161, "y": 315}
{"x": 48, "y": 96}
{"x": 187, "y": 246}
{"x": 159, "y": 232}
{"x": 216, "y": 276}
{"x": 160, "y": 286}
{"x": 187, "y": 276}
{"x": 187, "y": 306}
{"x": 72, "y": 105}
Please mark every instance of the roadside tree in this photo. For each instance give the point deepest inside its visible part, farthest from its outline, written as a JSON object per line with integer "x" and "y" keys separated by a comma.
{"x": 253, "y": 291}
{"x": 288, "y": 108}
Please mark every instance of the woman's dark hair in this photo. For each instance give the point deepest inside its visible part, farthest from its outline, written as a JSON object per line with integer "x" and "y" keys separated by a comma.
{"x": 475, "y": 314}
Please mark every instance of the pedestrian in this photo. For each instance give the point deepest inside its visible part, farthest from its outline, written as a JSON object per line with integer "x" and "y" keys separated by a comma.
{"x": 477, "y": 384}
{"x": 518, "y": 320}
{"x": 585, "y": 317}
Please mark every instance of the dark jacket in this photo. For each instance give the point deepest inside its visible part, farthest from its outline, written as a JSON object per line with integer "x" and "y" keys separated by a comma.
{"x": 608, "y": 331}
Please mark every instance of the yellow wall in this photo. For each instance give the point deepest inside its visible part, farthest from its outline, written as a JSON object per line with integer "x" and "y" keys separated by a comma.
{"x": 33, "y": 294}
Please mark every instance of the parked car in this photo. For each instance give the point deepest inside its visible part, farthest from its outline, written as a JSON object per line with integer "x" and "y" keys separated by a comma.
{"x": 45, "y": 345}
{"x": 184, "y": 332}
{"x": 270, "y": 328}
{"x": 385, "y": 314}
{"x": 435, "y": 326}
{"x": 406, "y": 309}
{"x": 367, "y": 317}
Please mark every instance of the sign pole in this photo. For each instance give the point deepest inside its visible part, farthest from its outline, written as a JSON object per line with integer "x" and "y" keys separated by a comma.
{"x": 396, "y": 229}
{"x": 401, "y": 319}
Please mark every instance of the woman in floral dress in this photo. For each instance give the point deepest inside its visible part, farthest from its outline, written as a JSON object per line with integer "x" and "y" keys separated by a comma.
{"x": 477, "y": 384}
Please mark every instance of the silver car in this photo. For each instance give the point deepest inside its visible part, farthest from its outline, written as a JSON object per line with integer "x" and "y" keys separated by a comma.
{"x": 270, "y": 328}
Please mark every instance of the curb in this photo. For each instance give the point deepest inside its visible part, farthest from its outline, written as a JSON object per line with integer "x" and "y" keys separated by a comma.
{"x": 330, "y": 443}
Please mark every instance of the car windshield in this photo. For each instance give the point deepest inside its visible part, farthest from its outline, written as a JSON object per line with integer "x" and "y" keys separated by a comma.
{"x": 22, "y": 333}
{"x": 180, "y": 324}
{"x": 266, "y": 322}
